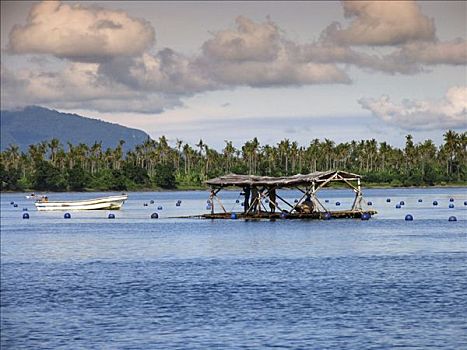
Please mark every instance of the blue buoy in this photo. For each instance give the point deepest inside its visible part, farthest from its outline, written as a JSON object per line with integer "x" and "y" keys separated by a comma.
{"x": 237, "y": 201}
{"x": 388, "y": 200}
{"x": 159, "y": 207}
{"x": 151, "y": 201}
{"x": 283, "y": 215}
{"x": 111, "y": 216}
{"x": 327, "y": 216}
{"x": 338, "y": 203}
{"x": 25, "y": 209}
{"x": 15, "y": 205}
{"x": 370, "y": 203}
{"x": 25, "y": 216}
{"x": 154, "y": 216}
{"x": 326, "y": 201}
{"x": 398, "y": 206}
{"x": 451, "y": 199}
{"x": 12, "y": 203}
{"x": 233, "y": 216}
{"x": 451, "y": 206}
{"x": 408, "y": 217}
{"x": 67, "y": 216}
{"x": 420, "y": 200}
{"x": 402, "y": 203}
{"x": 452, "y": 218}
{"x": 435, "y": 203}
{"x": 366, "y": 216}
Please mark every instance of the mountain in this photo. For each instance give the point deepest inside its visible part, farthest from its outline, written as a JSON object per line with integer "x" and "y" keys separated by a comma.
{"x": 35, "y": 124}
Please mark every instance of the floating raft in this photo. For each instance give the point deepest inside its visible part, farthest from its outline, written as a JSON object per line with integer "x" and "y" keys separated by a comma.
{"x": 261, "y": 197}
{"x": 342, "y": 214}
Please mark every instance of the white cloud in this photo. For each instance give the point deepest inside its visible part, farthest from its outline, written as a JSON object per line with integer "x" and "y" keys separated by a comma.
{"x": 79, "y": 33}
{"x": 381, "y": 23}
{"x": 449, "y": 112}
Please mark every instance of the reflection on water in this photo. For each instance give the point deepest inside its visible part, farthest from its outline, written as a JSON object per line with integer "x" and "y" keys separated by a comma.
{"x": 133, "y": 282}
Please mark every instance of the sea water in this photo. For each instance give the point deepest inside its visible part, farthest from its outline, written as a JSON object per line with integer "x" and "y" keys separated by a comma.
{"x": 138, "y": 283}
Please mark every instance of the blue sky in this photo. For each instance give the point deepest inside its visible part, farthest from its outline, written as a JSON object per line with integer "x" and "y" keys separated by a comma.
{"x": 236, "y": 70}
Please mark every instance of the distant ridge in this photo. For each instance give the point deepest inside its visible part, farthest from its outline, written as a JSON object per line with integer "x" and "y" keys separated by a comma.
{"x": 35, "y": 124}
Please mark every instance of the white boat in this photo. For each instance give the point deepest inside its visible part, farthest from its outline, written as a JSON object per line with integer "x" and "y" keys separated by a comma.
{"x": 110, "y": 203}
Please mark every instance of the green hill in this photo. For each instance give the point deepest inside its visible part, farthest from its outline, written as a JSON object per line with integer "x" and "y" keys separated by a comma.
{"x": 35, "y": 124}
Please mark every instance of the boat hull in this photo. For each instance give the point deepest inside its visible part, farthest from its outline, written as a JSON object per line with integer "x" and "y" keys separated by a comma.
{"x": 105, "y": 203}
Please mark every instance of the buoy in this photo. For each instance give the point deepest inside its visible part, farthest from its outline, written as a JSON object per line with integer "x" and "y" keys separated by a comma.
{"x": 451, "y": 206}
{"x": 338, "y": 203}
{"x": 111, "y": 216}
{"x": 15, "y": 205}
{"x": 402, "y": 203}
{"x": 398, "y": 206}
{"x": 145, "y": 204}
{"x": 452, "y": 218}
{"x": 267, "y": 201}
{"x": 326, "y": 201}
{"x": 283, "y": 215}
{"x": 435, "y": 203}
{"x": 179, "y": 201}
{"x": 233, "y": 216}
{"x": 420, "y": 200}
{"x": 151, "y": 201}
{"x": 451, "y": 199}
{"x": 12, "y": 203}
{"x": 67, "y": 216}
{"x": 388, "y": 200}
{"x": 408, "y": 217}
{"x": 154, "y": 216}
{"x": 296, "y": 201}
{"x": 327, "y": 216}
{"x": 25, "y": 209}
{"x": 465, "y": 203}
{"x": 366, "y": 216}
{"x": 159, "y": 207}
{"x": 25, "y": 216}
{"x": 243, "y": 204}
{"x": 177, "y": 204}
{"x": 370, "y": 203}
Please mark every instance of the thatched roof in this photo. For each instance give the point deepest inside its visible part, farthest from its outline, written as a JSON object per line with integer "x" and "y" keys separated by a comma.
{"x": 283, "y": 181}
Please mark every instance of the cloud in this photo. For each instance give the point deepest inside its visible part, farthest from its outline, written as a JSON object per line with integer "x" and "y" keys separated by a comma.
{"x": 449, "y": 112}
{"x": 78, "y": 33}
{"x": 381, "y": 23}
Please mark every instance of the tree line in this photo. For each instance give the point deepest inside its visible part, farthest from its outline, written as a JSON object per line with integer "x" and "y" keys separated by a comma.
{"x": 51, "y": 166}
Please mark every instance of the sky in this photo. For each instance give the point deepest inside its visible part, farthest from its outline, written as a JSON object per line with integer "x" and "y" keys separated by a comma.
{"x": 231, "y": 70}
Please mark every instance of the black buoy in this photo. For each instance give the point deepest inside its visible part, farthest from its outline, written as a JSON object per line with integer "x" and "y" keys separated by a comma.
{"x": 408, "y": 217}
{"x": 25, "y": 209}
{"x": 420, "y": 200}
{"x": 452, "y": 218}
{"x": 388, "y": 200}
{"x": 451, "y": 199}
{"x": 267, "y": 201}
{"x": 398, "y": 206}
{"x": 159, "y": 207}
{"x": 243, "y": 204}
{"x": 370, "y": 203}
{"x": 338, "y": 203}
{"x": 12, "y": 203}
{"x": 465, "y": 203}
{"x": 296, "y": 201}
{"x": 154, "y": 216}
{"x": 435, "y": 203}
{"x": 67, "y": 216}
{"x": 151, "y": 201}
{"x": 111, "y": 216}
{"x": 25, "y": 216}
{"x": 402, "y": 203}
{"x": 451, "y": 206}
{"x": 177, "y": 204}
{"x": 179, "y": 201}
{"x": 327, "y": 216}
{"x": 366, "y": 216}
{"x": 15, "y": 205}
{"x": 233, "y": 216}
{"x": 145, "y": 204}
{"x": 326, "y": 201}
{"x": 237, "y": 201}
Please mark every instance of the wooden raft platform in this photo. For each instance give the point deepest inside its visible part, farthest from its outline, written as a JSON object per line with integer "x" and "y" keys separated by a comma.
{"x": 343, "y": 214}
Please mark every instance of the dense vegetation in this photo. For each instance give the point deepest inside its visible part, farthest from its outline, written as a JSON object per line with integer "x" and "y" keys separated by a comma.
{"x": 154, "y": 164}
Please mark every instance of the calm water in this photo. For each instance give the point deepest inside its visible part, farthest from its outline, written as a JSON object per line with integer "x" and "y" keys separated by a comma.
{"x": 132, "y": 283}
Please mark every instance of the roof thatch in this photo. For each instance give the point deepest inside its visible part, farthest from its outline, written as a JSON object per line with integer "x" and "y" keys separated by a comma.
{"x": 283, "y": 181}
